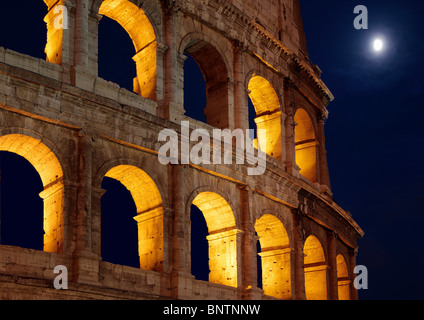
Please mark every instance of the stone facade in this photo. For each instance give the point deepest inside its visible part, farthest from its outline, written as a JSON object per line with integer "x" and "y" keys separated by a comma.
{"x": 76, "y": 128}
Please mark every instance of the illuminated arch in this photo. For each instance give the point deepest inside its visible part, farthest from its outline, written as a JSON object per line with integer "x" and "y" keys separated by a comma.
{"x": 268, "y": 115}
{"x": 223, "y": 237}
{"x": 216, "y": 71}
{"x": 315, "y": 270}
{"x": 48, "y": 167}
{"x": 148, "y": 202}
{"x": 54, "y": 45}
{"x": 343, "y": 280}
{"x": 306, "y": 145}
{"x": 138, "y": 26}
{"x": 275, "y": 256}
{"x": 50, "y": 3}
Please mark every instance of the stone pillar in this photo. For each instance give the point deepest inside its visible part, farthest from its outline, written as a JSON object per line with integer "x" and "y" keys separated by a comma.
{"x": 324, "y": 175}
{"x": 54, "y": 213}
{"x": 316, "y": 283}
{"x": 225, "y": 257}
{"x": 241, "y": 109}
{"x": 179, "y": 253}
{"x": 181, "y": 277}
{"x": 84, "y": 70}
{"x": 151, "y": 242}
{"x": 218, "y": 109}
{"x": 277, "y": 273}
{"x": 147, "y": 62}
{"x": 298, "y": 273}
{"x": 289, "y": 125}
{"x": 332, "y": 263}
{"x": 270, "y": 140}
{"x": 172, "y": 106}
{"x": 85, "y": 262}
{"x": 283, "y": 139}
{"x": 59, "y": 21}
{"x": 83, "y": 223}
{"x": 96, "y": 220}
{"x": 93, "y": 42}
{"x": 249, "y": 250}
{"x": 81, "y": 34}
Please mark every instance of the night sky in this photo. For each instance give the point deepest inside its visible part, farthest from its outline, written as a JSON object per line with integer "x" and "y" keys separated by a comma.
{"x": 374, "y": 132}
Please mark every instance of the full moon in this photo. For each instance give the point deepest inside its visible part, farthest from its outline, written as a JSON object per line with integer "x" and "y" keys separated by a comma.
{"x": 378, "y": 45}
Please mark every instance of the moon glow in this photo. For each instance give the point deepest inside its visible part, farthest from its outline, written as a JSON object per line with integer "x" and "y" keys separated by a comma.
{"x": 378, "y": 45}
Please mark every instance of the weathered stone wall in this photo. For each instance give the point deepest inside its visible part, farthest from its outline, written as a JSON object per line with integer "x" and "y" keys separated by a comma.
{"x": 92, "y": 126}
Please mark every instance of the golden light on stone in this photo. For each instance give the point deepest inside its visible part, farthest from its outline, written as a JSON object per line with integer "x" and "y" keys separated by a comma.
{"x": 275, "y": 257}
{"x": 315, "y": 270}
{"x": 222, "y": 239}
{"x": 48, "y": 167}
{"x": 71, "y": 125}
{"x": 268, "y": 115}
{"x": 343, "y": 281}
{"x": 149, "y": 217}
{"x": 136, "y": 23}
{"x": 306, "y": 145}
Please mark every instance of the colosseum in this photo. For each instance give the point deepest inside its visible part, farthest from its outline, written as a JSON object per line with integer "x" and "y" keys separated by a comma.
{"x": 76, "y": 129}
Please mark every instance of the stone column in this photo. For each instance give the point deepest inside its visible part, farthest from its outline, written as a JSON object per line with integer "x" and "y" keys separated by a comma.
{"x": 81, "y": 34}
{"x": 277, "y": 273}
{"x": 96, "y": 220}
{"x": 172, "y": 105}
{"x": 324, "y": 176}
{"x": 283, "y": 139}
{"x": 181, "y": 277}
{"x": 151, "y": 242}
{"x": 298, "y": 271}
{"x": 289, "y": 125}
{"x": 83, "y": 223}
{"x": 84, "y": 70}
{"x": 249, "y": 250}
{"x": 54, "y": 213}
{"x": 270, "y": 140}
{"x": 179, "y": 252}
{"x": 225, "y": 257}
{"x": 149, "y": 64}
{"x": 332, "y": 263}
{"x": 179, "y": 83}
{"x": 241, "y": 110}
{"x": 85, "y": 262}
{"x": 59, "y": 21}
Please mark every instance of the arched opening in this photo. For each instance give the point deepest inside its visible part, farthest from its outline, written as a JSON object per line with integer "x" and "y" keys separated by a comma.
{"x": 315, "y": 270}
{"x": 149, "y": 215}
{"x": 199, "y": 245}
{"x": 139, "y": 28}
{"x": 215, "y": 76}
{"x": 306, "y": 145}
{"x": 223, "y": 238}
{"x": 252, "y": 123}
{"x": 275, "y": 257}
{"x": 343, "y": 281}
{"x": 267, "y": 116}
{"x": 194, "y": 90}
{"x": 21, "y": 208}
{"x": 24, "y": 30}
{"x": 50, "y": 172}
{"x": 119, "y": 234}
{"x": 259, "y": 262}
{"x": 115, "y": 54}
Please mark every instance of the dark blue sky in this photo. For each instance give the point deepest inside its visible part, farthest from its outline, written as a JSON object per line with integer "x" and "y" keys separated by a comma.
{"x": 374, "y": 132}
